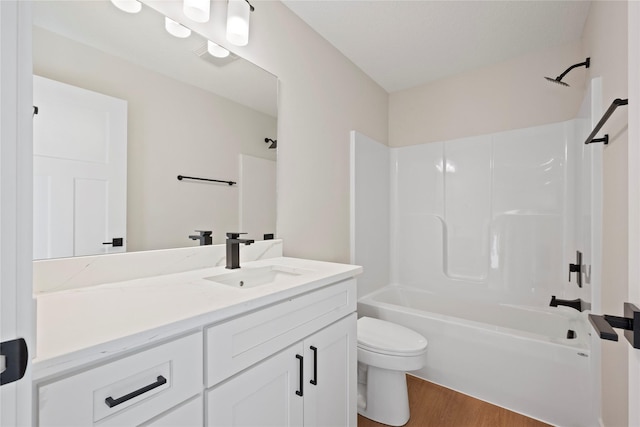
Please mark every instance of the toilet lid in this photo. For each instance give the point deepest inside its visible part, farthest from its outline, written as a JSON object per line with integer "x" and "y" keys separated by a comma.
{"x": 385, "y": 337}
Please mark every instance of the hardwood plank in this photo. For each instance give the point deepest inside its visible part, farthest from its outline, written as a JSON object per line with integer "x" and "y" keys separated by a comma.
{"x": 432, "y": 405}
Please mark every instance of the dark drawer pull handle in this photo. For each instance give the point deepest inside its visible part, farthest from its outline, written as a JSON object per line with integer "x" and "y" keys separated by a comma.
{"x": 111, "y": 402}
{"x": 300, "y": 358}
{"x": 314, "y": 381}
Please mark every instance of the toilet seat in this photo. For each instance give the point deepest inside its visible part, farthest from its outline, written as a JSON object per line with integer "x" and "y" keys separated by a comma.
{"x": 379, "y": 336}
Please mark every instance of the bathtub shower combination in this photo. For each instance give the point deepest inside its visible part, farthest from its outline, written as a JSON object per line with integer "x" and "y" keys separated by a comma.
{"x": 466, "y": 242}
{"x": 517, "y": 357}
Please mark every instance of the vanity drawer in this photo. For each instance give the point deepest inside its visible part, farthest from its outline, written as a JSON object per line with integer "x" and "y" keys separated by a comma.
{"x": 241, "y": 342}
{"x": 127, "y": 391}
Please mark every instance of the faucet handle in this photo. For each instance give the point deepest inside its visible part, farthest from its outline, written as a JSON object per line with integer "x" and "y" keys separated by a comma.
{"x": 234, "y": 235}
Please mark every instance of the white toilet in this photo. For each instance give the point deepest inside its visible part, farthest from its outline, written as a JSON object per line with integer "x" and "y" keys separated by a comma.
{"x": 385, "y": 352}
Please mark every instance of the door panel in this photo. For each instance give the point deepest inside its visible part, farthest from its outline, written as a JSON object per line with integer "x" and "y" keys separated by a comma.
{"x": 80, "y": 145}
{"x": 263, "y": 395}
{"x": 330, "y": 375}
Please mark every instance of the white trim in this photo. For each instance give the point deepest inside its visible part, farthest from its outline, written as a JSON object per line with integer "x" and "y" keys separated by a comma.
{"x": 633, "y": 26}
{"x": 18, "y": 309}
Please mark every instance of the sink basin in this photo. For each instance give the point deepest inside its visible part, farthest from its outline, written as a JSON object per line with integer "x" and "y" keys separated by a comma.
{"x": 250, "y": 277}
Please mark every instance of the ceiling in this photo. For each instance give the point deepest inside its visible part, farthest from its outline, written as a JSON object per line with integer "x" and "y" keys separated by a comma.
{"x": 402, "y": 44}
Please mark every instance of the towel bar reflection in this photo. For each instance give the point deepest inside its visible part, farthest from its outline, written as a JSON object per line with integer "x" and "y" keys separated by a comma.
{"x": 181, "y": 177}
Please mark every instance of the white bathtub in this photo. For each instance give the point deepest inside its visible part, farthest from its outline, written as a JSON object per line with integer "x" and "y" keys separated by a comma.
{"x": 516, "y": 357}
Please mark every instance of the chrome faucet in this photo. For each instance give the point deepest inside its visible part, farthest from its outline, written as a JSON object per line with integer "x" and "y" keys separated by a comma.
{"x": 233, "y": 249}
{"x": 577, "y": 304}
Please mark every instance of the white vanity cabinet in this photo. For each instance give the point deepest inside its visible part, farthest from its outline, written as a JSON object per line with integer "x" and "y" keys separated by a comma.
{"x": 138, "y": 388}
{"x": 282, "y": 354}
{"x": 293, "y": 363}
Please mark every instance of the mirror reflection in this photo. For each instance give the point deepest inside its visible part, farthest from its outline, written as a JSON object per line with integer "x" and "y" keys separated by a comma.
{"x": 124, "y": 108}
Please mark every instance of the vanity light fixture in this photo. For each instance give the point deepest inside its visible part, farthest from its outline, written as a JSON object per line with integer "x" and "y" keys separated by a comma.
{"x": 129, "y": 6}
{"x": 176, "y": 29}
{"x": 197, "y": 10}
{"x": 216, "y": 50}
{"x": 238, "y": 12}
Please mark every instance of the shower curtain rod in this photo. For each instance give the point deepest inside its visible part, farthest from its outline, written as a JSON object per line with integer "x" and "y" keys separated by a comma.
{"x": 181, "y": 177}
{"x": 615, "y": 104}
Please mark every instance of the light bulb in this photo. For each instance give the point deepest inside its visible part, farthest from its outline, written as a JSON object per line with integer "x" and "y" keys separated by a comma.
{"x": 216, "y": 50}
{"x": 176, "y": 29}
{"x": 196, "y": 10}
{"x": 238, "y": 12}
{"x": 129, "y": 6}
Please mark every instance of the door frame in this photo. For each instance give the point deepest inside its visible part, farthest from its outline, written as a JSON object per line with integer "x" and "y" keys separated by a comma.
{"x": 17, "y": 315}
{"x": 634, "y": 197}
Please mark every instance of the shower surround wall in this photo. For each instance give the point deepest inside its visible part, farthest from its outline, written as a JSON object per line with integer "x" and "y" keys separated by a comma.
{"x": 487, "y": 217}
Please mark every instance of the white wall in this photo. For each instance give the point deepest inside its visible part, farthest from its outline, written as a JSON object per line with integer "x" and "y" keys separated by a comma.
{"x": 322, "y": 97}
{"x": 605, "y": 40}
{"x": 174, "y": 129}
{"x": 370, "y": 211}
{"x": 504, "y": 96}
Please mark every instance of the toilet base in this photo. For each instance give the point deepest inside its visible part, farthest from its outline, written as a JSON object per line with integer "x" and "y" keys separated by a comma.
{"x": 386, "y": 400}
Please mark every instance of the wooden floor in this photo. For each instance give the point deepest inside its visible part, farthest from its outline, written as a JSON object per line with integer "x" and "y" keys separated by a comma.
{"x": 434, "y": 406}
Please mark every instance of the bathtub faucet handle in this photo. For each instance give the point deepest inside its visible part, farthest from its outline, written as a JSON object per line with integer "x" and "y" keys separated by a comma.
{"x": 577, "y": 268}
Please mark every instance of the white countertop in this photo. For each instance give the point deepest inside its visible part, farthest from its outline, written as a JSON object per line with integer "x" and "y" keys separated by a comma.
{"x": 80, "y": 326}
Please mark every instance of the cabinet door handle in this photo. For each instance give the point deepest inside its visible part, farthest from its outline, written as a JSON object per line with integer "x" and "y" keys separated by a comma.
{"x": 314, "y": 380}
{"x": 111, "y": 402}
{"x": 301, "y": 360}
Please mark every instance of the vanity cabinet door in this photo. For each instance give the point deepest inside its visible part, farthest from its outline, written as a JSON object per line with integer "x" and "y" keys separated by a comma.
{"x": 264, "y": 395}
{"x": 312, "y": 383}
{"x": 330, "y": 393}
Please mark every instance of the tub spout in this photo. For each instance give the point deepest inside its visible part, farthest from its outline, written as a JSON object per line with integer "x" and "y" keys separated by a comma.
{"x": 578, "y": 304}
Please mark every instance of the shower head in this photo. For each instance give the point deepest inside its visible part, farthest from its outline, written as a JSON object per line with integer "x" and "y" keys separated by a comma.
{"x": 274, "y": 143}
{"x": 558, "y": 79}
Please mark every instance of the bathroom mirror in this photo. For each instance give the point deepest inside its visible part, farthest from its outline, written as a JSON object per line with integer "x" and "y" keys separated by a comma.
{"x": 187, "y": 113}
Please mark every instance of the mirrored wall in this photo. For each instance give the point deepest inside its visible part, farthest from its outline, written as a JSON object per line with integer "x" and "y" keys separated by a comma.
{"x": 186, "y": 113}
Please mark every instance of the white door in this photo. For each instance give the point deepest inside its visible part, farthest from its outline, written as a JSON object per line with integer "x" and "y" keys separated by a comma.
{"x": 331, "y": 375}
{"x": 80, "y": 168}
{"x": 16, "y": 302}
{"x": 264, "y": 395}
